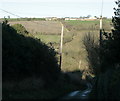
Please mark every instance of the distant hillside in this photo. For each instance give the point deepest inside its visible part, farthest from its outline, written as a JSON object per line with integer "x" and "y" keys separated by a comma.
{"x": 43, "y": 27}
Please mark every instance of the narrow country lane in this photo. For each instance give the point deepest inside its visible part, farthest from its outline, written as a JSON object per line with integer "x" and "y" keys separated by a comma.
{"x": 78, "y": 95}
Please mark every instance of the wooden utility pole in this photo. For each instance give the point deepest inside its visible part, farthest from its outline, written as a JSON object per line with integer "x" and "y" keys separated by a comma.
{"x": 80, "y": 64}
{"x": 100, "y": 45}
{"x": 61, "y": 45}
{"x": 100, "y": 30}
{"x": 101, "y": 24}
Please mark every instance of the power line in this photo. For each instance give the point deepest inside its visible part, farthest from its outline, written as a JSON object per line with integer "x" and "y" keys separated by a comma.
{"x": 23, "y": 17}
{"x": 11, "y": 13}
{"x": 15, "y": 15}
{"x": 19, "y": 16}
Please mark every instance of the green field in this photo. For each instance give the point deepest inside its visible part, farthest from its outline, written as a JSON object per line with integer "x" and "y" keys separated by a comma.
{"x": 48, "y": 38}
{"x": 79, "y": 22}
{"x": 87, "y": 25}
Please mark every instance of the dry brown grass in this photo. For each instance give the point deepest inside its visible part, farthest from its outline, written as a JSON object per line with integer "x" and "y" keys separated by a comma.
{"x": 43, "y": 27}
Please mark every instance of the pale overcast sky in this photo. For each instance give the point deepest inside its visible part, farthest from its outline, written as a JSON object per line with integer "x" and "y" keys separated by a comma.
{"x": 56, "y": 8}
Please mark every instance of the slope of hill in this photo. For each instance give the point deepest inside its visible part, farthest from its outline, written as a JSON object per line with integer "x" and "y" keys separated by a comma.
{"x": 42, "y": 27}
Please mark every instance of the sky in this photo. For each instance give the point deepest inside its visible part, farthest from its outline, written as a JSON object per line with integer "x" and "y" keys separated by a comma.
{"x": 56, "y": 8}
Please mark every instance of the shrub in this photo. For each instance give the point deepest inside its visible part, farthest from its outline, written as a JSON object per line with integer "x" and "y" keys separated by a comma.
{"x": 92, "y": 48}
{"x": 20, "y": 29}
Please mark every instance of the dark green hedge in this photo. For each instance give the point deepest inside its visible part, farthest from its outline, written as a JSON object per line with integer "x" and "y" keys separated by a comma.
{"x": 24, "y": 56}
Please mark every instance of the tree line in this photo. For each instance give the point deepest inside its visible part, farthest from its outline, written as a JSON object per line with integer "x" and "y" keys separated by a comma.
{"x": 104, "y": 60}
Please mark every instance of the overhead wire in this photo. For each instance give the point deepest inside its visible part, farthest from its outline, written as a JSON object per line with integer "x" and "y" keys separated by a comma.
{"x": 11, "y": 13}
{"x": 22, "y": 17}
